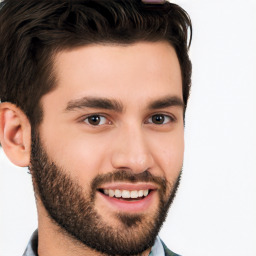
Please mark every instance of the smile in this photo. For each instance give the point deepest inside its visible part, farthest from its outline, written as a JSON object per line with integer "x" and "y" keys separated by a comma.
{"x": 126, "y": 194}
{"x": 127, "y": 197}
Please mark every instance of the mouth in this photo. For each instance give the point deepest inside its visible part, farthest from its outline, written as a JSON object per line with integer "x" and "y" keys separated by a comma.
{"x": 126, "y": 195}
{"x": 128, "y": 198}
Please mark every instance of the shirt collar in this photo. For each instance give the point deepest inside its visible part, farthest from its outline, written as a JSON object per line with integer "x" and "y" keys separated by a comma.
{"x": 31, "y": 249}
{"x": 157, "y": 249}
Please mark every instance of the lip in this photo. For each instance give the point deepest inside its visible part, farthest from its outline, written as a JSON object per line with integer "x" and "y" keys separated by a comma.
{"x": 136, "y": 206}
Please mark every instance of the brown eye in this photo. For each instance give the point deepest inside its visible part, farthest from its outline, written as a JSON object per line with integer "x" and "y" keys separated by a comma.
{"x": 160, "y": 119}
{"x": 96, "y": 120}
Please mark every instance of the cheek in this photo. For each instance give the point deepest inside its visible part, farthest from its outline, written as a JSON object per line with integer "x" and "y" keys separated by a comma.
{"x": 169, "y": 155}
{"x": 83, "y": 157}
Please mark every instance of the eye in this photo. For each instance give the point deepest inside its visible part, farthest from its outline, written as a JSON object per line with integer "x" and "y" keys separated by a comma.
{"x": 96, "y": 120}
{"x": 160, "y": 119}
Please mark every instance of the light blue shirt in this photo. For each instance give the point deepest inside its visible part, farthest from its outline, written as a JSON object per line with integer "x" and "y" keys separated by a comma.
{"x": 157, "y": 249}
{"x": 31, "y": 250}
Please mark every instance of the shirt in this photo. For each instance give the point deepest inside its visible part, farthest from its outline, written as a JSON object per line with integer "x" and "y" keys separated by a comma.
{"x": 31, "y": 250}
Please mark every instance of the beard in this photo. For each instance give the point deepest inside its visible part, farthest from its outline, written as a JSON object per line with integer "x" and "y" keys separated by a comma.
{"x": 73, "y": 210}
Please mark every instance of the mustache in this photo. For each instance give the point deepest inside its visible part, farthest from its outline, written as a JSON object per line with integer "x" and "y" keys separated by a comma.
{"x": 130, "y": 176}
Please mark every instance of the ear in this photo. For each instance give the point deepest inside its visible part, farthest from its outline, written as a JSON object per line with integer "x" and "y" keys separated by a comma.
{"x": 15, "y": 134}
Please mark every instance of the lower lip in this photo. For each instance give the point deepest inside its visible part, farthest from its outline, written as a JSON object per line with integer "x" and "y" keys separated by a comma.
{"x": 130, "y": 206}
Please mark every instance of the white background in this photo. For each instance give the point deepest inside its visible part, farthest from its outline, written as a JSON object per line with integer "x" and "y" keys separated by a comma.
{"x": 214, "y": 213}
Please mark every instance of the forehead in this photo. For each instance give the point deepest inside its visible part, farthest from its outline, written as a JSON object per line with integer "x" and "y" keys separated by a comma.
{"x": 135, "y": 72}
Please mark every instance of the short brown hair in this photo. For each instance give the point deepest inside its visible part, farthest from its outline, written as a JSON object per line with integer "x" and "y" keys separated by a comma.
{"x": 31, "y": 32}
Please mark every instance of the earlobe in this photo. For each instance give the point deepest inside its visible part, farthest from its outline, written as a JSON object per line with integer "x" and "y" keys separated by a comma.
{"x": 15, "y": 134}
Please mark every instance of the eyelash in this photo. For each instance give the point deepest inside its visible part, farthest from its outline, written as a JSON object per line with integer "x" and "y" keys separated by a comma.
{"x": 170, "y": 118}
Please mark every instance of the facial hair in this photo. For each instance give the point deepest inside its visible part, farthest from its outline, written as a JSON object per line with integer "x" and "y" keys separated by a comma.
{"x": 73, "y": 209}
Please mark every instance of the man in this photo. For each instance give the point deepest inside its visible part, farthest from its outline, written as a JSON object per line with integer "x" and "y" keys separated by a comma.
{"x": 93, "y": 97}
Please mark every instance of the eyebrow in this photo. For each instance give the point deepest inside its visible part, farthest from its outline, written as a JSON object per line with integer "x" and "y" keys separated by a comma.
{"x": 110, "y": 104}
{"x": 94, "y": 102}
{"x": 166, "y": 102}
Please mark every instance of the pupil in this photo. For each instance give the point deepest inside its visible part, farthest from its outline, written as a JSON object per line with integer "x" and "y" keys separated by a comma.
{"x": 158, "y": 119}
{"x": 94, "y": 120}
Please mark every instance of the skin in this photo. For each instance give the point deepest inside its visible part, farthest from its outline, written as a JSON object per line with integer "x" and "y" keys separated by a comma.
{"x": 127, "y": 138}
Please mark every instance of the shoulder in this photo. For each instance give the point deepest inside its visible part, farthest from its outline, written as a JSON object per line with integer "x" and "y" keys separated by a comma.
{"x": 168, "y": 252}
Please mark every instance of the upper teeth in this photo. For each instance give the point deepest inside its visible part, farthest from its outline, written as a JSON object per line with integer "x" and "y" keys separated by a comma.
{"x": 126, "y": 193}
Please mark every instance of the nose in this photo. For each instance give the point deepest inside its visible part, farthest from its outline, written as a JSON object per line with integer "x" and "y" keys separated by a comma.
{"x": 131, "y": 151}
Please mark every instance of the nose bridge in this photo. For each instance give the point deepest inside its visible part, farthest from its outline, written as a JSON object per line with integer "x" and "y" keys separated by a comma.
{"x": 131, "y": 150}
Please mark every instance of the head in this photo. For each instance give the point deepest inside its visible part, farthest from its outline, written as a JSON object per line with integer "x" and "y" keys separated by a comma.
{"x": 93, "y": 98}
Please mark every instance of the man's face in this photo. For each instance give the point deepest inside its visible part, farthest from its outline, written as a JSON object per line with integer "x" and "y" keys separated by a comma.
{"x": 110, "y": 146}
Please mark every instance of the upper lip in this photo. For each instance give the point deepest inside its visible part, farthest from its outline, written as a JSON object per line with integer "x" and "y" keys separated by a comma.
{"x": 129, "y": 186}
